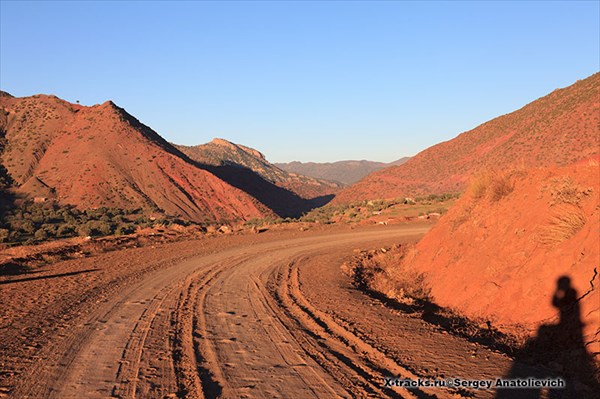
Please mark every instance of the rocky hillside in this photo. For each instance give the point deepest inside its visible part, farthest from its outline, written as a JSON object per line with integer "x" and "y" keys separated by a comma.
{"x": 102, "y": 156}
{"x": 347, "y": 172}
{"x": 555, "y": 130}
{"x": 221, "y": 152}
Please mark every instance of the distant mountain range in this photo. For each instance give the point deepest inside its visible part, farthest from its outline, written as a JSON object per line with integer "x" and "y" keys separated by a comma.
{"x": 346, "y": 172}
{"x": 558, "y": 129}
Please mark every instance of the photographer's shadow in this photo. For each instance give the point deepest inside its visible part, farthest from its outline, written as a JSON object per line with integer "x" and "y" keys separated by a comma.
{"x": 560, "y": 352}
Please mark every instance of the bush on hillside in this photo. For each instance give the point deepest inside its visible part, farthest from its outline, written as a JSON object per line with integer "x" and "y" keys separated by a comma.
{"x": 493, "y": 185}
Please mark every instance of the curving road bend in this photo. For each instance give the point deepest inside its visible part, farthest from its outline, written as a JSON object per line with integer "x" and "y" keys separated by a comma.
{"x": 259, "y": 320}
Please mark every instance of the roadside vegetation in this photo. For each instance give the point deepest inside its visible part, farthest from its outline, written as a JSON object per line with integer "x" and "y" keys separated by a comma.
{"x": 403, "y": 207}
{"x": 492, "y": 184}
{"x": 384, "y": 271}
{"x": 386, "y": 274}
{"x": 565, "y": 221}
{"x": 33, "y": 223}
{"x": 400, "y": 209}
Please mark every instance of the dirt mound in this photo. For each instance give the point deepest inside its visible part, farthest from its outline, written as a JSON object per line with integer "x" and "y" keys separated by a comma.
{"x": 502, "y": 251}
{"x": 555, "y": 130}
{"x": 102, "y": 156}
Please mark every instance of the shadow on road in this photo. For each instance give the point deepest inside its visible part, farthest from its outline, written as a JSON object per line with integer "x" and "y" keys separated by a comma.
{"x": 20, "y": 280}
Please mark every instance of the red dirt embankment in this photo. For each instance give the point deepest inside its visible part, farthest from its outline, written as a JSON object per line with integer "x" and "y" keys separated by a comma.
{"x": 499, "y": 252}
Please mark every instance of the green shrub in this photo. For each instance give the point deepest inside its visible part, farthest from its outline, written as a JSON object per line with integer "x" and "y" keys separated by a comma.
{"x": 84, "y": 230}
{"x": 66, "y": 230}
{"x": 40, "y": 235}
{"x": 27, "y": 227}
{"x": 95, "y": 228}
{"x": 4, "y": 235}
{"x": 123, "y": 229}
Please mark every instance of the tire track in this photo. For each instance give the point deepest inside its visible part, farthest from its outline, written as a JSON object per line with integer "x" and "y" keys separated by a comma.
{"x": 243, "y": 319}
{"x": 375, "y": 364}
{"x": 356, "y": 359}
{"x": 129, "y": 368}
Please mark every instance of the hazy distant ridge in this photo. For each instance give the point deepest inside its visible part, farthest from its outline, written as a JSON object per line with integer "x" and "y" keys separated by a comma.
{"x": 346, "y": 172}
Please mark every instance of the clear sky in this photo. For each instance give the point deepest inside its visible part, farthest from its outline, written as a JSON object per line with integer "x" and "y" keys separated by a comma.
{"x": 309, "y": 81}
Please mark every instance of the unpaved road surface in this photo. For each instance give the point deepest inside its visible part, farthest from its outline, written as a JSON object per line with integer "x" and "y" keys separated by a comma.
{"x": 257, "y": 316}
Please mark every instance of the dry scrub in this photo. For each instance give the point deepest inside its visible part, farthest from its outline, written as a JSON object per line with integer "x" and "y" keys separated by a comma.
{"x": 564, "y": 191}
{"x": 385, "y": 271}
{"x": 387, "y": 275}
{"x": 492, "y": 184}
{"x": 566, "y": 220}
{"x": 566, "y": 216}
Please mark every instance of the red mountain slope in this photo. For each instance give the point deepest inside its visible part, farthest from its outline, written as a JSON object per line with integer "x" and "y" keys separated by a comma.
{"x": 102, "y": 156}
{"x": 555, "y": 130}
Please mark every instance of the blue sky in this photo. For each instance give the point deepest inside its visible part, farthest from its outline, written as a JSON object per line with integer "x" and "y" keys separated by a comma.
{"x": 308, "y": 81}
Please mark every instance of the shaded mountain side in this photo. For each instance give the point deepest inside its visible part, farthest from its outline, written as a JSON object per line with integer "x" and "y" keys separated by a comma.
{"x": 283, "y": 202}
{"x": 220, "y": 152}
{"x": 346, "y": 172}
{"x": 6, "y": 197}
{"x": 555, "y": 130}
{"x": 102, "y": 156}
{"x": 500, "y": 251}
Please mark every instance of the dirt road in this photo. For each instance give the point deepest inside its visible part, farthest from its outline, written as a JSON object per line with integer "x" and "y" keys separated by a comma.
{"x": 261, "y": 316}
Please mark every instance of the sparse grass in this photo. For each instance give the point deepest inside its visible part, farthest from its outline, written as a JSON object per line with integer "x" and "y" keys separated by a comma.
{"x": 385, "y": 271}
{"x": 492, "y": 184}
{"x": 479, "y": 185}
{"x": 566, "y": 220}
{"x": 387, "y": 275}
{"x": 265, "y": 222}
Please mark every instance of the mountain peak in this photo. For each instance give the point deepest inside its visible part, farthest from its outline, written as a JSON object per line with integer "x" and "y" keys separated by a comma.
{"x": 238, "y": 147}
{"x": 220, "y": 141}
{"x": 109, "y": 103}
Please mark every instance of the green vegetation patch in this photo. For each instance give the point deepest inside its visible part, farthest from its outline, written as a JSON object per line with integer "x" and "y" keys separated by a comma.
{"x": 31, "y": 222}
{"x": 398, "y": 207}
